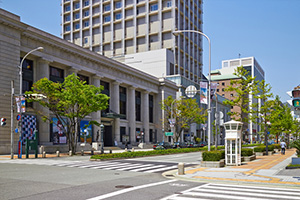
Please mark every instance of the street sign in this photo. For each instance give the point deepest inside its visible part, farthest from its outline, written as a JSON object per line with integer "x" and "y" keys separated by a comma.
{"x": 168, "y": 133}
{"x": 191, "y": 91}
{"x": 172, "y": 121}
{"x": 18, "y": 117}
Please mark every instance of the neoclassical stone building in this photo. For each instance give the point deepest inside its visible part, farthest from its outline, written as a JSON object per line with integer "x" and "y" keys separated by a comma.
{"x": 135, "y": 96}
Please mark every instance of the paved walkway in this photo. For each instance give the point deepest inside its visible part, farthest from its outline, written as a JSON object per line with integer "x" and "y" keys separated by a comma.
{"x": 265, "y": 169}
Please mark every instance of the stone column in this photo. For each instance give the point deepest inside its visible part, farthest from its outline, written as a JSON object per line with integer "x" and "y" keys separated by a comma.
{"x": 115, "y": 102}
{"x": 96, "y": 116}
{"x": 145, "y": 115}
{"x": 71, "y": 71}
{"x": 42, "y": 71}
{"x": 131, "y": 113}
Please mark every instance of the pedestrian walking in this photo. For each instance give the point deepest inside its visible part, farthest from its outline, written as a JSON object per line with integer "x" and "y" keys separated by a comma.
{"x": 283, "y": 146}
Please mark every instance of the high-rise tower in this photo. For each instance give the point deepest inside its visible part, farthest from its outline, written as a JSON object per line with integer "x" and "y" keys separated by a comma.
{"x": 118, "y": 28}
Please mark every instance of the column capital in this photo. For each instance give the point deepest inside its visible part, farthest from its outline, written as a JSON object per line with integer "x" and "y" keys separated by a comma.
{"x": 97, "y": 76}
{"x": 45, "y": 60}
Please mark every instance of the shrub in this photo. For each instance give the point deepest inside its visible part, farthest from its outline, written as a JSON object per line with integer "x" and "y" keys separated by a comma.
{"x": 213, "y": 155}
{"x": 247, "y": 152}
{"x": 271, "y": 147}
{"x": 277, "y": 146}
{"x": 143, "y": 153}
{"x": 296, "y": 144}
{"x": 260, "y": 149}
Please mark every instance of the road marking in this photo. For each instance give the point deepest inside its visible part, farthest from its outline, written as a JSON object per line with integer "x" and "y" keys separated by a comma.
{"x": 238, "y": 192}
{"x": 160, "y": 169}
{"x": 130, "y": 189}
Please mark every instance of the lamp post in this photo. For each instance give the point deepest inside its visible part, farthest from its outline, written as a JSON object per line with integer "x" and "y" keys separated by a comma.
{"x": 21, "y": 63}
{"x": 209, "y": 80}
{"x": 21, "y": 84}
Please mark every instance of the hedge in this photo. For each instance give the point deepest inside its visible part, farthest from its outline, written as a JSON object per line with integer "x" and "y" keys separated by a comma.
{"x": 263, "y": 148}
{"x": 143, "y": 153}
{"x": 277, "y": 146}
{"x": 247, "y": 152}
{"x": 213, "y": 155}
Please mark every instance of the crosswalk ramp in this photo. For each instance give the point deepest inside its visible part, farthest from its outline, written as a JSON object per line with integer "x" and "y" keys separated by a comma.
{"x": 144, "y": 167}
{"x": 235, "y": 192}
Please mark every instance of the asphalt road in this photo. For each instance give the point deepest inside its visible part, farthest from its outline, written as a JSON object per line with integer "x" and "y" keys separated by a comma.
{"x": 33, "y": 181}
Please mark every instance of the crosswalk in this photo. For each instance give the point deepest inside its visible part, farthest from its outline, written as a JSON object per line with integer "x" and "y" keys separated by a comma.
{"x": 145, "y": 167}
{"x": 235, "y": 192}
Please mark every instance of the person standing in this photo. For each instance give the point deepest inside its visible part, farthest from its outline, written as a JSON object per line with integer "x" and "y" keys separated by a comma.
{"x": 283, "y": 147}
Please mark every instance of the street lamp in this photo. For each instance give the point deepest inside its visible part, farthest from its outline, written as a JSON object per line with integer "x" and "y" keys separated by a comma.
{"x": 176, "y": 33}
{"x": 21, "y": 84}
{"x": 21, "y": 63}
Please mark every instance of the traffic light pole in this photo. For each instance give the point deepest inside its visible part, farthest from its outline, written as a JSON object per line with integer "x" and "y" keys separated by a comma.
{"x": 12, "y": 121}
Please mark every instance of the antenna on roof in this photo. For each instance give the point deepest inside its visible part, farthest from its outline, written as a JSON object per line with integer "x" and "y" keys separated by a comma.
{"x": 239, "y": 55}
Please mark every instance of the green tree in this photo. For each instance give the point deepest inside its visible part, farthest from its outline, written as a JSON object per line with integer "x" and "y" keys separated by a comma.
{"x": 242, "y": 87}
{"x": 262, "y": 93}
{"x": 185, "y": 112}
{"x": 69, "y": 102}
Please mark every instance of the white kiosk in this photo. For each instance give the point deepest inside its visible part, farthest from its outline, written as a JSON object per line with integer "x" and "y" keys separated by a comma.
{"x": 233, "y": 143}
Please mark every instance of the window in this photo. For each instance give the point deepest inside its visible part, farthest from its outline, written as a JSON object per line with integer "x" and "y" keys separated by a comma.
{"x": 151, "y": 108}
{"x": 223, "y": 89}
{"x": 217, "y": 90}
{"x": 107, "y": 19}
{"x": 169, "y": 4}
{"x": 106, "y": 91}
{"x": 138, "y": 106}
{"x": 86, "y": 40}
{"x": 86, "y": 13}
{"x": 67, "y": 28}
{"x": 118, "y": 4}
{"x": 86, "y": 3}
{"x": 123, "y": 101}
{"x": 118, "y": 16}
{"x": 77, "y": 26}
{"x": 67, "y": 18}
{"x": 231, "y": 95}
{"x": 86, "y": 23}
{"x": 56, "y": 74}
{"x": 77, "y": 15}
{"x": 107, "y": 8}
{"x": 27, "y": 68}
{"x": 223, "y": 83}
{"x": 83, "y": 78}
{"x": 67, "y": 8}
{"x": 77, "y": 5}
{"x": 154, "y": 7}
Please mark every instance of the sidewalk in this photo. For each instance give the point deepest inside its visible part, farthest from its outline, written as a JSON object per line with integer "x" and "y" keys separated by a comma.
{"x": 265, "y": 169}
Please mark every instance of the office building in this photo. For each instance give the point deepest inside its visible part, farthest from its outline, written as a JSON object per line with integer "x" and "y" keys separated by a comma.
{"x": 118, "y": 29}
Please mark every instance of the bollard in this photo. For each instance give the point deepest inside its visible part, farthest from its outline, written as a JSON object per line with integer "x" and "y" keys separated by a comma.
{"x": 70, "y": 153}
{"x": 92, "y": 152}
{"x": 44, "y": 154}
{"x": 57, "y": 153}
{"x": 180, "y": 168}
{"x": 132, "y": 149}
{"x": 110, "y": 151}
{"x": 126, "y": 150}
{"x": 82, "y": 152}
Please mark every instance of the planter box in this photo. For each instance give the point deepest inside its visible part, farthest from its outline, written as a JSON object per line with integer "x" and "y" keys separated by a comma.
{"x": 270, "y": 153}
{"x": 248, "y": 158}
{"x": 295, "y": 161}
{"x": 260, "y": 153}
{"x": 213, "y": 164}
{"x": 276, "y": 150}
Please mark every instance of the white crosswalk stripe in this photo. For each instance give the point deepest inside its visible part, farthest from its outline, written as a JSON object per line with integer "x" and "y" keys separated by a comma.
{"x": 235, "y": 192}
{"x": 144, "y": 167}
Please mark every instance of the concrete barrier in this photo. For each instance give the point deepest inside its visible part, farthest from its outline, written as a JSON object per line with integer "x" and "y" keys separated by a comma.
{"x": 57, "y": 153}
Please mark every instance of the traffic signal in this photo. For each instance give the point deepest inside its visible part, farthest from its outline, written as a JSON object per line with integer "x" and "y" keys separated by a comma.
{"x": 296, "y": 98}
{"x": 3, "y": 121}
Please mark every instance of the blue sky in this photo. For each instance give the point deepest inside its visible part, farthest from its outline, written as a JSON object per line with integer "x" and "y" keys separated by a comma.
{"x": 269, "y": 30}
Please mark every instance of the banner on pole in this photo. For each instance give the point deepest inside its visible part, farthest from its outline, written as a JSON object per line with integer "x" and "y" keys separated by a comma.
{"x": 203, "y": 92}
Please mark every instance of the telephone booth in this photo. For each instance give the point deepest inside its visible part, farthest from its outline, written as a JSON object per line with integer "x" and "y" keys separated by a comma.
{"x": 233, "y": 143}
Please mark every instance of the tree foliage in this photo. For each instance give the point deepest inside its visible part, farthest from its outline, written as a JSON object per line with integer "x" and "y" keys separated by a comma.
{"x": 69, "y": 102}
{"x": 185, "y": 112}
{"x": 242, "y": 87}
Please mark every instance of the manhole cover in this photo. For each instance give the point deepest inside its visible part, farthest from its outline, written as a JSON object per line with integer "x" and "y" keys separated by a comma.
{"x": 123, "y": 186}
